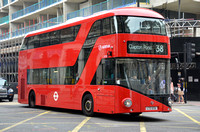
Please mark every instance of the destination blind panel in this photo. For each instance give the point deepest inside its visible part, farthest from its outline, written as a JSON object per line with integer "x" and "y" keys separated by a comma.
{"x": 138, "y": 47}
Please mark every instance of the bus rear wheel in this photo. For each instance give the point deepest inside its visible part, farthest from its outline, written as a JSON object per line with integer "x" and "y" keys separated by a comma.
{"x": 88, "y": 105}
{"x": 31, "y": 100}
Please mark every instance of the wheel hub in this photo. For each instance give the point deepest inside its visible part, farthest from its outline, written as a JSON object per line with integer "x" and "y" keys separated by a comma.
{"x": 88, "y": 105}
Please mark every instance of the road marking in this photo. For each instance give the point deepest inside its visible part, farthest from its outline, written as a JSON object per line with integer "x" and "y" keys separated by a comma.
{"x": 9, "y": 103}
{"x": 188, "y": 116}
{"x": 21, "y": 122}
{"x": 81, "y": 124}
{"x": 142, "y": 125}
{"x": 195, "y": 128}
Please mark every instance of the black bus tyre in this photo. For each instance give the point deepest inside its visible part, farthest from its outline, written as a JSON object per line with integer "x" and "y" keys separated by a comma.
{"x": 88, "y": 105}
{"x": 31, "y": 100}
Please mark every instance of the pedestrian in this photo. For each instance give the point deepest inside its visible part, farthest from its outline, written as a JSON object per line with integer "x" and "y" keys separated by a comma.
{"x": 173, "y": 97}
{"x": 180, "y": 94}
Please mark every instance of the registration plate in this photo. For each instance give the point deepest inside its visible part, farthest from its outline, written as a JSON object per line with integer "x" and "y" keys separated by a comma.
{"x": 151, "y": 108}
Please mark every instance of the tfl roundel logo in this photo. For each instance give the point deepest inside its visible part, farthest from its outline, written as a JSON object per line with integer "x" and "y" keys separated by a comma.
{"x": 55, "y": 96}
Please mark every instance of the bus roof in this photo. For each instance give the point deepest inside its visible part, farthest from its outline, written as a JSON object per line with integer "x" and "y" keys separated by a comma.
{"x": 128, "y": 11}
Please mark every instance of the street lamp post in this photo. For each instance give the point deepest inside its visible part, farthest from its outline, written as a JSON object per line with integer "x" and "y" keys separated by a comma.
{"x": 185, "y": 71}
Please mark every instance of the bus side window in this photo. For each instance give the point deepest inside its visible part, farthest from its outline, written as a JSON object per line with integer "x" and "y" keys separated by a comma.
{"x": 76, "y": 30}
{"x": 106, "y": 26}
{"x": 105, "y": 74}
{"x": 95, "y": 31}
{"x": 112, "y": 25}
{"x": 33, "y": 42}
{"x": 108, "y": 72}
{"x": 67, "y": 35}
{"x": 44, "y": 76}
{"x": 66, "y": 75}
{"x": 120, "y": 24}
{"x": 30, "y": 44}
{"x": 54, "y": 37}
{"x": 44, "y": 39}
{"x": 28, "y": 76}
{"x": 54, "y": 76}
{"x": 98, "y": 77}
{"x": 36, "y": 76}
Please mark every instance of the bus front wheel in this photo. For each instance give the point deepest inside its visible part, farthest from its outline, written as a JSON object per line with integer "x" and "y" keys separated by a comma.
{"x": 31, "y": 100}
{"x": 88, "y": 105}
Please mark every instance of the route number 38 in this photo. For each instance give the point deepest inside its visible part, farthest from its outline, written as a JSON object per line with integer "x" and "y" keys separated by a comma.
{"x": 159, "y": 48}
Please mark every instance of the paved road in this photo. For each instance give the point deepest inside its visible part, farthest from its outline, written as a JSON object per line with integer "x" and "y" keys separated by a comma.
{"x": 15, "y": 117}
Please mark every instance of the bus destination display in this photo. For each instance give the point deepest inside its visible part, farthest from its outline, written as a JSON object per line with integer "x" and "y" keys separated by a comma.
{"x": 138, "y": 47}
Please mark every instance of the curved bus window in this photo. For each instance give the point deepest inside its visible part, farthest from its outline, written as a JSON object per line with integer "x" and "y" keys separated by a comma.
{"x": 108, "y": 26}
{"x": 95, "y": 30}
{"x": 102, "y": 27}
{"x": 119, "y": 24}
{"x": 54, "y": 37}
{"x": 44, "y": 39}
{"x": 24, "y": 44}
{"x": 69, "y": 34}
{"x": 141, "y": 25}
{"x": 34, "y": 42}
{"x": 51, "y": 38}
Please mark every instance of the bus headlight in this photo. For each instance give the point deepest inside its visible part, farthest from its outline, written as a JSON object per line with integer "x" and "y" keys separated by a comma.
{"x": 127, "y": 103}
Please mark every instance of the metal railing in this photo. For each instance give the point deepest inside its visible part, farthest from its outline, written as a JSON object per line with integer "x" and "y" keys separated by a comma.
{"x": 5, "y": 36}
{"x": 33, "y": 8}
{"x": 178, "y": 27}
{"x": 44, "y": 24}
{"x": 25, "y": 30}
{"x": 106, "y": 5}
{"x": 4, "y": 20}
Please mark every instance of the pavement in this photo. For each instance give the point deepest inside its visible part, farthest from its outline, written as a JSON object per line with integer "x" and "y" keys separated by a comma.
{"x": 189, "y": 103}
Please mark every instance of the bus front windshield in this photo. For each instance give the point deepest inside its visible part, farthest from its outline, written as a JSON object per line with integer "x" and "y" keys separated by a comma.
{"x": 147, "y": 76}
{"x": 141, "y": 25}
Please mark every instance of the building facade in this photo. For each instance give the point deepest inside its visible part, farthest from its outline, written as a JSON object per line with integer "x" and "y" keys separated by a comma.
{"x": 19, "y": 17}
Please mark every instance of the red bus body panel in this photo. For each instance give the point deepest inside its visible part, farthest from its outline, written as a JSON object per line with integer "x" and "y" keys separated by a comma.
{"x": 109, "y": 98}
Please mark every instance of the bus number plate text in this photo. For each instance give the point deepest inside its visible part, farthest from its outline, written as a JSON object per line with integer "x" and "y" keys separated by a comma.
{"x": 151, "y": 108}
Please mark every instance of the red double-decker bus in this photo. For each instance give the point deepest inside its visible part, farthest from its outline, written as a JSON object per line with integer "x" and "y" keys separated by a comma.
{"x": 112, "y": 62}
